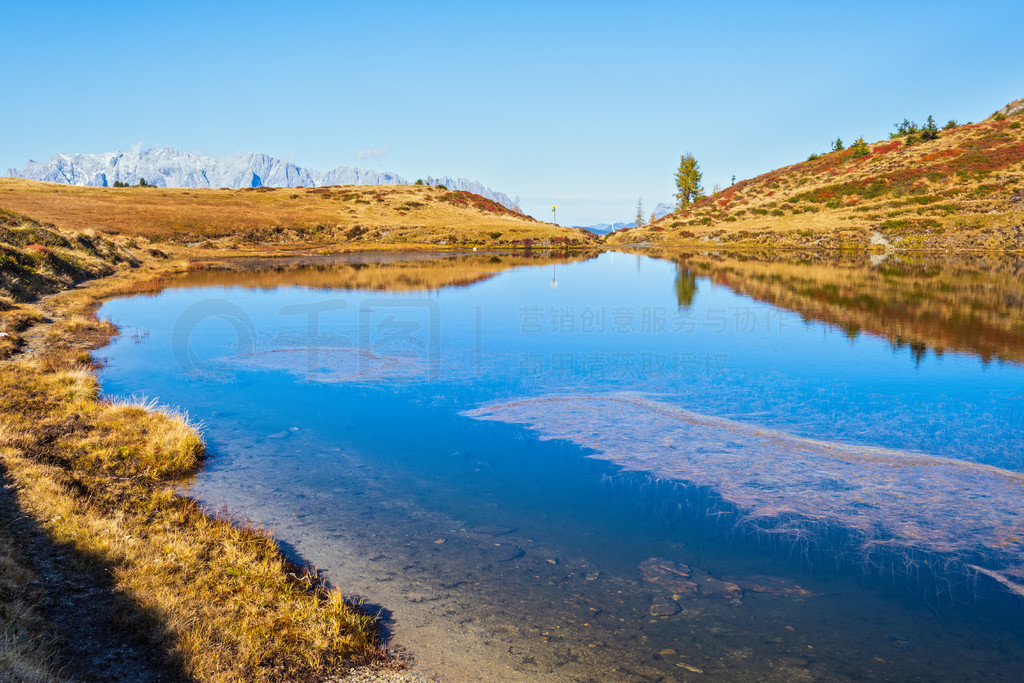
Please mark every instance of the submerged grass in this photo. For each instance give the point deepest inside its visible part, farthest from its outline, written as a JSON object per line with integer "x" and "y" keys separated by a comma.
{"x": 894, "y": 509}
{"x": 216, "y": 600}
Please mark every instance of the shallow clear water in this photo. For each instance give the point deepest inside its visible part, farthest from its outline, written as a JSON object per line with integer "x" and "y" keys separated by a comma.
{"x": 489, "y": 455}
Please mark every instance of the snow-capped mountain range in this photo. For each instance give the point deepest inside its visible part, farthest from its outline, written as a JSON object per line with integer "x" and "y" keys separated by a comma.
{"x": 167, "y": 167}
{"x": 660, "y": 211}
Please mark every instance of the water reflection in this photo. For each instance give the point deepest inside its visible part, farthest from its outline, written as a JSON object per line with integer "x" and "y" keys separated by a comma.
{"x": 716, "y": 441}
{"x": 961, "y": 304}
{"x": 686, "y": 286}
{"x": 377, "y": 271}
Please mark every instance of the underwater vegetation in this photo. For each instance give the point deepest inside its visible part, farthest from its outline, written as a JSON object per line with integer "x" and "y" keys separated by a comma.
{"x": 887, "y": 508}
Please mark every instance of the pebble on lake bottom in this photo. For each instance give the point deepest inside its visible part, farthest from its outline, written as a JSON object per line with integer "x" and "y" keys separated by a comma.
{"x": 663, "y": 607}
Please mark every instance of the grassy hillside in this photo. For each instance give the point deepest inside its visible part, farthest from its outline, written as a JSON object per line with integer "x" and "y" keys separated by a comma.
{"x": 352, "y": 215}
{"x": 962, "y": 191}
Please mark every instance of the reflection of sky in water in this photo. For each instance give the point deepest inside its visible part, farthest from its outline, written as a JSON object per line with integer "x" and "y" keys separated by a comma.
{"x": 339, "y": 418}
{"x": 608, "y": 324}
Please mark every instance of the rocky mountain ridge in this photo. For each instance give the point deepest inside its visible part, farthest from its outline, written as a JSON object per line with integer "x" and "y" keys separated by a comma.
{"x": 166, "y": 167}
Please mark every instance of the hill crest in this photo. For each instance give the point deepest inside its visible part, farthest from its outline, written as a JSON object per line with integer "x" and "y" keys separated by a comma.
{"x": 961, "y": 190}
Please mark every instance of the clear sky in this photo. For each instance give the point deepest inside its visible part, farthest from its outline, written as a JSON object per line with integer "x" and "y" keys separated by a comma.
{"x": 587, "y": 105}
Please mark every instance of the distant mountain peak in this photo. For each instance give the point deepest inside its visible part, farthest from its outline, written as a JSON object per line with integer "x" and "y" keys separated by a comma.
{"x": 167, "y": 167}
{"x": 660, "y": 211}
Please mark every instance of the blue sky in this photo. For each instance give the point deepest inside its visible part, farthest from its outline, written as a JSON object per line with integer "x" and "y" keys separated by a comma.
{"x": 584, "y": 105}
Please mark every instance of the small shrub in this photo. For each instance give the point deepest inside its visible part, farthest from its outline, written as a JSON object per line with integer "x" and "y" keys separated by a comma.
{"x": 860, "y": 148}
{"x": 893, "y": 225}
{"x": 38, "y": 249}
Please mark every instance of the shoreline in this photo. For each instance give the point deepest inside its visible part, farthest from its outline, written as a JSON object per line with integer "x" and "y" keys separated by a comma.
{"x": 56, "y": 344}
{"x": 58, "y": 493}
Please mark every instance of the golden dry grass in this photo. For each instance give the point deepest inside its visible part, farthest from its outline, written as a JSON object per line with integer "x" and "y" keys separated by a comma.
{"x": 389, "y": 214}
{"x": 960, "y": 192}
{"x": 215, "y": 597}
{"x": 28, "y": 649}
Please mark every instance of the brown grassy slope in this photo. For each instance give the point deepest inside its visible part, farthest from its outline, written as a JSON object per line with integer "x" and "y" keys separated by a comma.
{"x": 962, "y": 191}
{"x": 389, "y": 214}
{"x": 968, "y": 305}
{"x": 37, "y": 258}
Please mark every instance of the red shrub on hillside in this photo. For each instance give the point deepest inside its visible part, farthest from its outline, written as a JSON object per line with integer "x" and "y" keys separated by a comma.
{"x": 38, "y": 249}
{"x": 887, "y": 147}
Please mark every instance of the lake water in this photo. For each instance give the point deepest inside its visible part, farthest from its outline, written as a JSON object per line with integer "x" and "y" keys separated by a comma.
{"x": 621, "y": 467}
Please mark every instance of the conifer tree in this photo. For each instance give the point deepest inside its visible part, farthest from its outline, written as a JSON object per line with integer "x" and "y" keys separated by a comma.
{"x": 930, "y": 131}
{"x": 688, "y": 179}
{"x": 860, "y": 148}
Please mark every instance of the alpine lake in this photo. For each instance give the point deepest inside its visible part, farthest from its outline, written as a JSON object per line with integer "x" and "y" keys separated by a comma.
{"x": 621, "y": 466}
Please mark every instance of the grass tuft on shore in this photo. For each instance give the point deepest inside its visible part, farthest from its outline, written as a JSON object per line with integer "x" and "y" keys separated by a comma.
{"x": 210, "y": 598}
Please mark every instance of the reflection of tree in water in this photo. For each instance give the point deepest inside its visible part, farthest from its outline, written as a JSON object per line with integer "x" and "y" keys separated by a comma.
{"x": 686, "y": 286}
{"x": 968, "y": 304}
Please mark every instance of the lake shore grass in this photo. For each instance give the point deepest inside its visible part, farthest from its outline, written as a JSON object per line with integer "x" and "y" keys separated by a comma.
{"x": 89, "y": 499}
{"x": 207, "y": 598}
